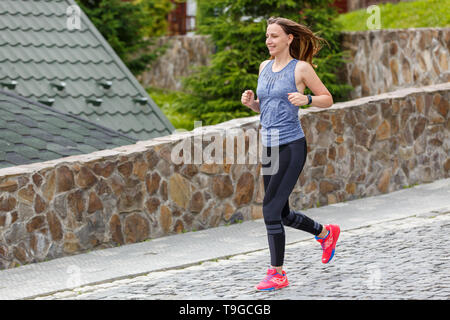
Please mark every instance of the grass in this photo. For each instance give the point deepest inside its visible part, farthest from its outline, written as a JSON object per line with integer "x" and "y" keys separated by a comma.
{"x": 165, "y": 99}
{"x": 410, "y": 186}
{"x": 402, "y": 15}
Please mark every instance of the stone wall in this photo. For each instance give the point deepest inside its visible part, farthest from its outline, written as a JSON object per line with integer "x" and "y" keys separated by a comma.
{"x": 132, "y": 193}
{"x": 183, "y": 53}
{"x": 387, "y": 60}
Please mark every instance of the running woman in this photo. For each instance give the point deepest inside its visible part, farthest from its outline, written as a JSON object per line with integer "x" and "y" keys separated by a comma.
{"x": 281, "y": 82}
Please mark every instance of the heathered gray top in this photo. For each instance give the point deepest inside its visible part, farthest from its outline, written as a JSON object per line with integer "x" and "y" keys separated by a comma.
{"x": 279, "y": 117}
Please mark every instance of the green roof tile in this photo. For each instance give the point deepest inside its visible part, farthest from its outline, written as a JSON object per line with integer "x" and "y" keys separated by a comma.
{"x": 27, "y": 152}
{"x": 46, "y": 155}
{"x": 10, "y": 136}
{"x": 34, "y": 142}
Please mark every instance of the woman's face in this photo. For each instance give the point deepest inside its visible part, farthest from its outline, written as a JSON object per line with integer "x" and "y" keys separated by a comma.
{"x": 276, "y": 39}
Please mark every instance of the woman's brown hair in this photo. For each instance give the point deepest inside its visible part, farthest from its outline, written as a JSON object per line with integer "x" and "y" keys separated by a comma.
{"x": 306, "y": 44}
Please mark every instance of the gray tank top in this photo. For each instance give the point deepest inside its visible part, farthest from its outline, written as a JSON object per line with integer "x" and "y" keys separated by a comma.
{"x": 278, "y": 116}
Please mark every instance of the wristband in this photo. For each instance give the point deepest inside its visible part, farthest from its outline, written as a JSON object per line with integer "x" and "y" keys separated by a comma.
{"x": 309, "y": 98}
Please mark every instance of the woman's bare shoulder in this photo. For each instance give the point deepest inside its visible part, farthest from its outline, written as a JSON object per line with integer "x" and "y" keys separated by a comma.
{"x": 262, "y": 65}
{"x": 302, "y": 70}
{"x": 302, "y": 64}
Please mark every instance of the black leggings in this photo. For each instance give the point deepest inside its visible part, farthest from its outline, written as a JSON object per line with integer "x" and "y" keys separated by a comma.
{"x": 281, "y": 168}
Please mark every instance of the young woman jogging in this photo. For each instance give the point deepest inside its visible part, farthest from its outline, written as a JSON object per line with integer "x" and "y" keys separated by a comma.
{"x": 281, "y": 82}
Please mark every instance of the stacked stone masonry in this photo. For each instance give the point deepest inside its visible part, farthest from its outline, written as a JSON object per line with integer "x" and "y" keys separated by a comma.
{"x": 182, "y": 55}
{"x": 359, "y": 148}
{"x": 387, "y": 60}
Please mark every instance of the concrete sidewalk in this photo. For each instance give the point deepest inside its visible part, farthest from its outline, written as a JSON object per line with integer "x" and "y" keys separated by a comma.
{"x": 182, "y": 250}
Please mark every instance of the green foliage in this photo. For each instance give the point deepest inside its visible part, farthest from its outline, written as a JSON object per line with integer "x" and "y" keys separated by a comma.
{"x": 165, "y": 100}
{"x": 238, "y": 28}
{"x": 129, "y": 27}
{"x": 402, "y": 15}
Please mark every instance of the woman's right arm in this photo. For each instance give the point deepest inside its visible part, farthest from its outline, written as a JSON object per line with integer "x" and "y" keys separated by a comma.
{"x": 256, "y": 107}
{"x": 248, "y": 95}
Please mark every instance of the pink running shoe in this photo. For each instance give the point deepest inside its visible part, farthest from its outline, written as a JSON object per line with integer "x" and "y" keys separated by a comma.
{"x": 273, "y": 281}
{"x": 329, "y": 242}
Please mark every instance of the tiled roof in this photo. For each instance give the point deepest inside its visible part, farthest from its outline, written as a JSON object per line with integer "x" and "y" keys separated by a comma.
{"x": 31, "y": 132}
{"x": 38, "y": 52}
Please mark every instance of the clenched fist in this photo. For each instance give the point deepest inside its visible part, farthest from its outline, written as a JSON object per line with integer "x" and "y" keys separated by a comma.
{"x": 297, "y": 99}
{"x": 248, "y": 98}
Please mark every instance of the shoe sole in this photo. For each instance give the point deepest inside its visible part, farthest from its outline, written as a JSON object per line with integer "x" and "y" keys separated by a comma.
{"x": 272, "y": 289}
{"x": 332, "y": 252}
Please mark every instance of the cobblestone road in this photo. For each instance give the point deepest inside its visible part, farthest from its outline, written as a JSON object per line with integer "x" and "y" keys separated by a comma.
{"x": 403, "y": 259}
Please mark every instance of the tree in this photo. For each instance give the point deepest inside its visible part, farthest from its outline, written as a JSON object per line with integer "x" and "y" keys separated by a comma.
{"x": 238, "y": 28}
{"x": 129, "y": 27}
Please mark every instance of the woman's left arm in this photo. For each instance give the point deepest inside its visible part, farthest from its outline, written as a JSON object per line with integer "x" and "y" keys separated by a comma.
{"x": 322, "y": 98}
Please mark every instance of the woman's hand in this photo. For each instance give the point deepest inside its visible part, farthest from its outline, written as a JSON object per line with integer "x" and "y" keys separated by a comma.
{"x": 297, "y": 99}
{"x": 248, "y": 98}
